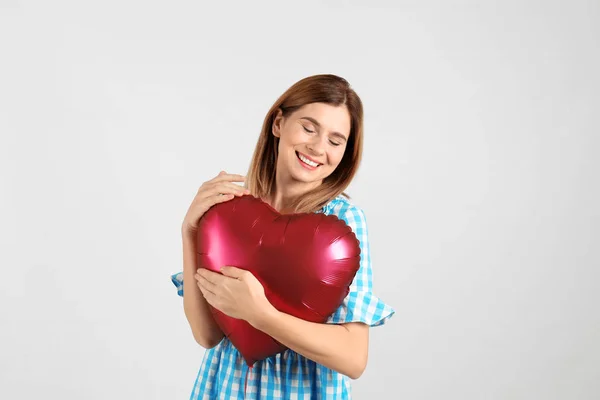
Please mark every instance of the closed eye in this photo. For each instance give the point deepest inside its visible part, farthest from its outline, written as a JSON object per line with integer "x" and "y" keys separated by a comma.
{"x": 330, "y": 141}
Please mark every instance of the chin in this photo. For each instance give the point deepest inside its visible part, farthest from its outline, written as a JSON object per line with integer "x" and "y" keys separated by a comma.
{"x": 310, "y": 179}
{"x": 305, "y": 179}
{"x": 306, "y": 176}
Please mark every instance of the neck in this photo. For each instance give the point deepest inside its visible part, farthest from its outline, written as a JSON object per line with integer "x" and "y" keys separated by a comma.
{"x": 286, "y": 191}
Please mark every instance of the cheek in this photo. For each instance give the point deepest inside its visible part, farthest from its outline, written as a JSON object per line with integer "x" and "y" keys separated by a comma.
{"x": 283, "y": 144}
{"x": 295, "y": 137}
{"x": 287, "y": 139}
{"x": 336, "y": 157}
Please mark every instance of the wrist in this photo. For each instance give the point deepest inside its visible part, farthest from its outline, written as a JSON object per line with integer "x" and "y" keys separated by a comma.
{"x": 265, "y": 318}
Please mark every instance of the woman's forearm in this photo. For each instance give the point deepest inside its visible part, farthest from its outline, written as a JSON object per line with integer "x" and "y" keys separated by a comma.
{"x": 343, "y": 348}
{"x": 204, "y": 328}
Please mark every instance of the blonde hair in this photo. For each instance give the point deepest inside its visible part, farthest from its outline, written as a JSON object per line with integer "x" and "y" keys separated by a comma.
{"x": 329, "y": 89}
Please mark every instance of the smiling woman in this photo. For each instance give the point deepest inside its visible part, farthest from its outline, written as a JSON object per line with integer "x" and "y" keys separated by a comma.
{"x": 314, "y": 146}
{"x": 321, "y": 119}
{"x": 308, "y": 151}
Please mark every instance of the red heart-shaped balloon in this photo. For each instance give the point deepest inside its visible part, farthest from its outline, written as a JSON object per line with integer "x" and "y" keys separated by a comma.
{"x": 305, "y": 262}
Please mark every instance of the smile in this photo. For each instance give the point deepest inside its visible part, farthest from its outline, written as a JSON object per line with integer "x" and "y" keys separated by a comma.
{"x": 307, "y": 163}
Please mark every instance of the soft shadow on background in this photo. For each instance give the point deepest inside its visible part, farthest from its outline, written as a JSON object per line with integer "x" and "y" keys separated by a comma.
{"x": 479, "y": 183}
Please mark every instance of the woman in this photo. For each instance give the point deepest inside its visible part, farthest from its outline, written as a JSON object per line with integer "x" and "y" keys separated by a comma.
{"x": 308, "y": 152}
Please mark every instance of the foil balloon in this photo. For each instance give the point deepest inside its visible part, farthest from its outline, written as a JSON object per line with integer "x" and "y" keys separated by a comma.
{"x": 305, "y": 262}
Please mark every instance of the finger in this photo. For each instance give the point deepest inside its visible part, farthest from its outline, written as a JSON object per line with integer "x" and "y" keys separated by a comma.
{"x": 210, "y": 276}
{"x": 207, "y": 202}
{"x": 202, "y": 290}
{"x": 205, "y": 283}
{"x": 225, "y": 188}
{"x": 233, "y": 272}
{"x": 220, "y": 174}
{"x": 211, "y": 298}
{"x": 223, "y": 185}
{"x": 228, "y": 178}
{"x": 211, "y": 201}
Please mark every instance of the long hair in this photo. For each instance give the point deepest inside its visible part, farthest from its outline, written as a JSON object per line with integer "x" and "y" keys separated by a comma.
{"x": 329, "y": 89}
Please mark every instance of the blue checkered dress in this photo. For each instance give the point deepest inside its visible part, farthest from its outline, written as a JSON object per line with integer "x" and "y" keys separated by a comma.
{"x": 224, "y": 374}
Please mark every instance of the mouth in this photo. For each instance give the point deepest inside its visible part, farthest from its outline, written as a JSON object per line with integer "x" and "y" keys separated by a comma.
{"x": 307, "y": 162}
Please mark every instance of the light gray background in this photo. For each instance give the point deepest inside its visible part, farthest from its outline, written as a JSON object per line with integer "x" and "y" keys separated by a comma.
{"x": 479, "y": 183}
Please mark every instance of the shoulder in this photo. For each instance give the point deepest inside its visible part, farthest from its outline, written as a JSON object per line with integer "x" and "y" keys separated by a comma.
{"x": 346, "y": 210}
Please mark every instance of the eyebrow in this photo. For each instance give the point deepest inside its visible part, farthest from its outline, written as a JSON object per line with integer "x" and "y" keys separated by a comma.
{"x": 314, "y": 121}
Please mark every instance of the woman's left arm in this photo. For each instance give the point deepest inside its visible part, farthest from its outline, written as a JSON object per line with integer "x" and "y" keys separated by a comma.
{"x": 237, "y": 293}
{"x": 343, "y": 348}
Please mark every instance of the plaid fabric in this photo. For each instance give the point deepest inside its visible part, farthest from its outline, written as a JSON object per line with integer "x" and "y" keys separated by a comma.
{"x": 224, "y": 374}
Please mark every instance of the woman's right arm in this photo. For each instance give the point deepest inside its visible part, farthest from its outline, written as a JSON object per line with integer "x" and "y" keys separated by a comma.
{"x": 204, "y": 328}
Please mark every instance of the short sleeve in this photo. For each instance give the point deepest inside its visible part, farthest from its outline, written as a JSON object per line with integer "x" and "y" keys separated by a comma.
{"x": 177, "y": 280}
{"x": 360, "y": 305}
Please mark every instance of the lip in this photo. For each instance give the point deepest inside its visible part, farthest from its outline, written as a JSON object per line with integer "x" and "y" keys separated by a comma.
{"x": 304, "y": 165}
{"x": 311, "y": 159}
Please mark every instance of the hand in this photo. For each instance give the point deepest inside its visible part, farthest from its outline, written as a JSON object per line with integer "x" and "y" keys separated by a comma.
{"x": 237, "y": 293}
{"x": 217, "y": 190}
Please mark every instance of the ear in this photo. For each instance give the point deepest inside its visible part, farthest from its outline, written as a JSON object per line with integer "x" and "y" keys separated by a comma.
{"x": 276, "y": 128}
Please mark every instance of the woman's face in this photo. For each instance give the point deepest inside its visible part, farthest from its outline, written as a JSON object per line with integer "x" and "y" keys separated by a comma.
{"x": 312, "y": 141}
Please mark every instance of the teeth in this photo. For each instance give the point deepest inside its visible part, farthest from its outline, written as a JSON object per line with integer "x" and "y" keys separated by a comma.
{"x": 307, "y": 161}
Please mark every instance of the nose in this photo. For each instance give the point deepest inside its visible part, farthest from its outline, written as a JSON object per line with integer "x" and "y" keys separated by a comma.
{"x": 316, "y": 147}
